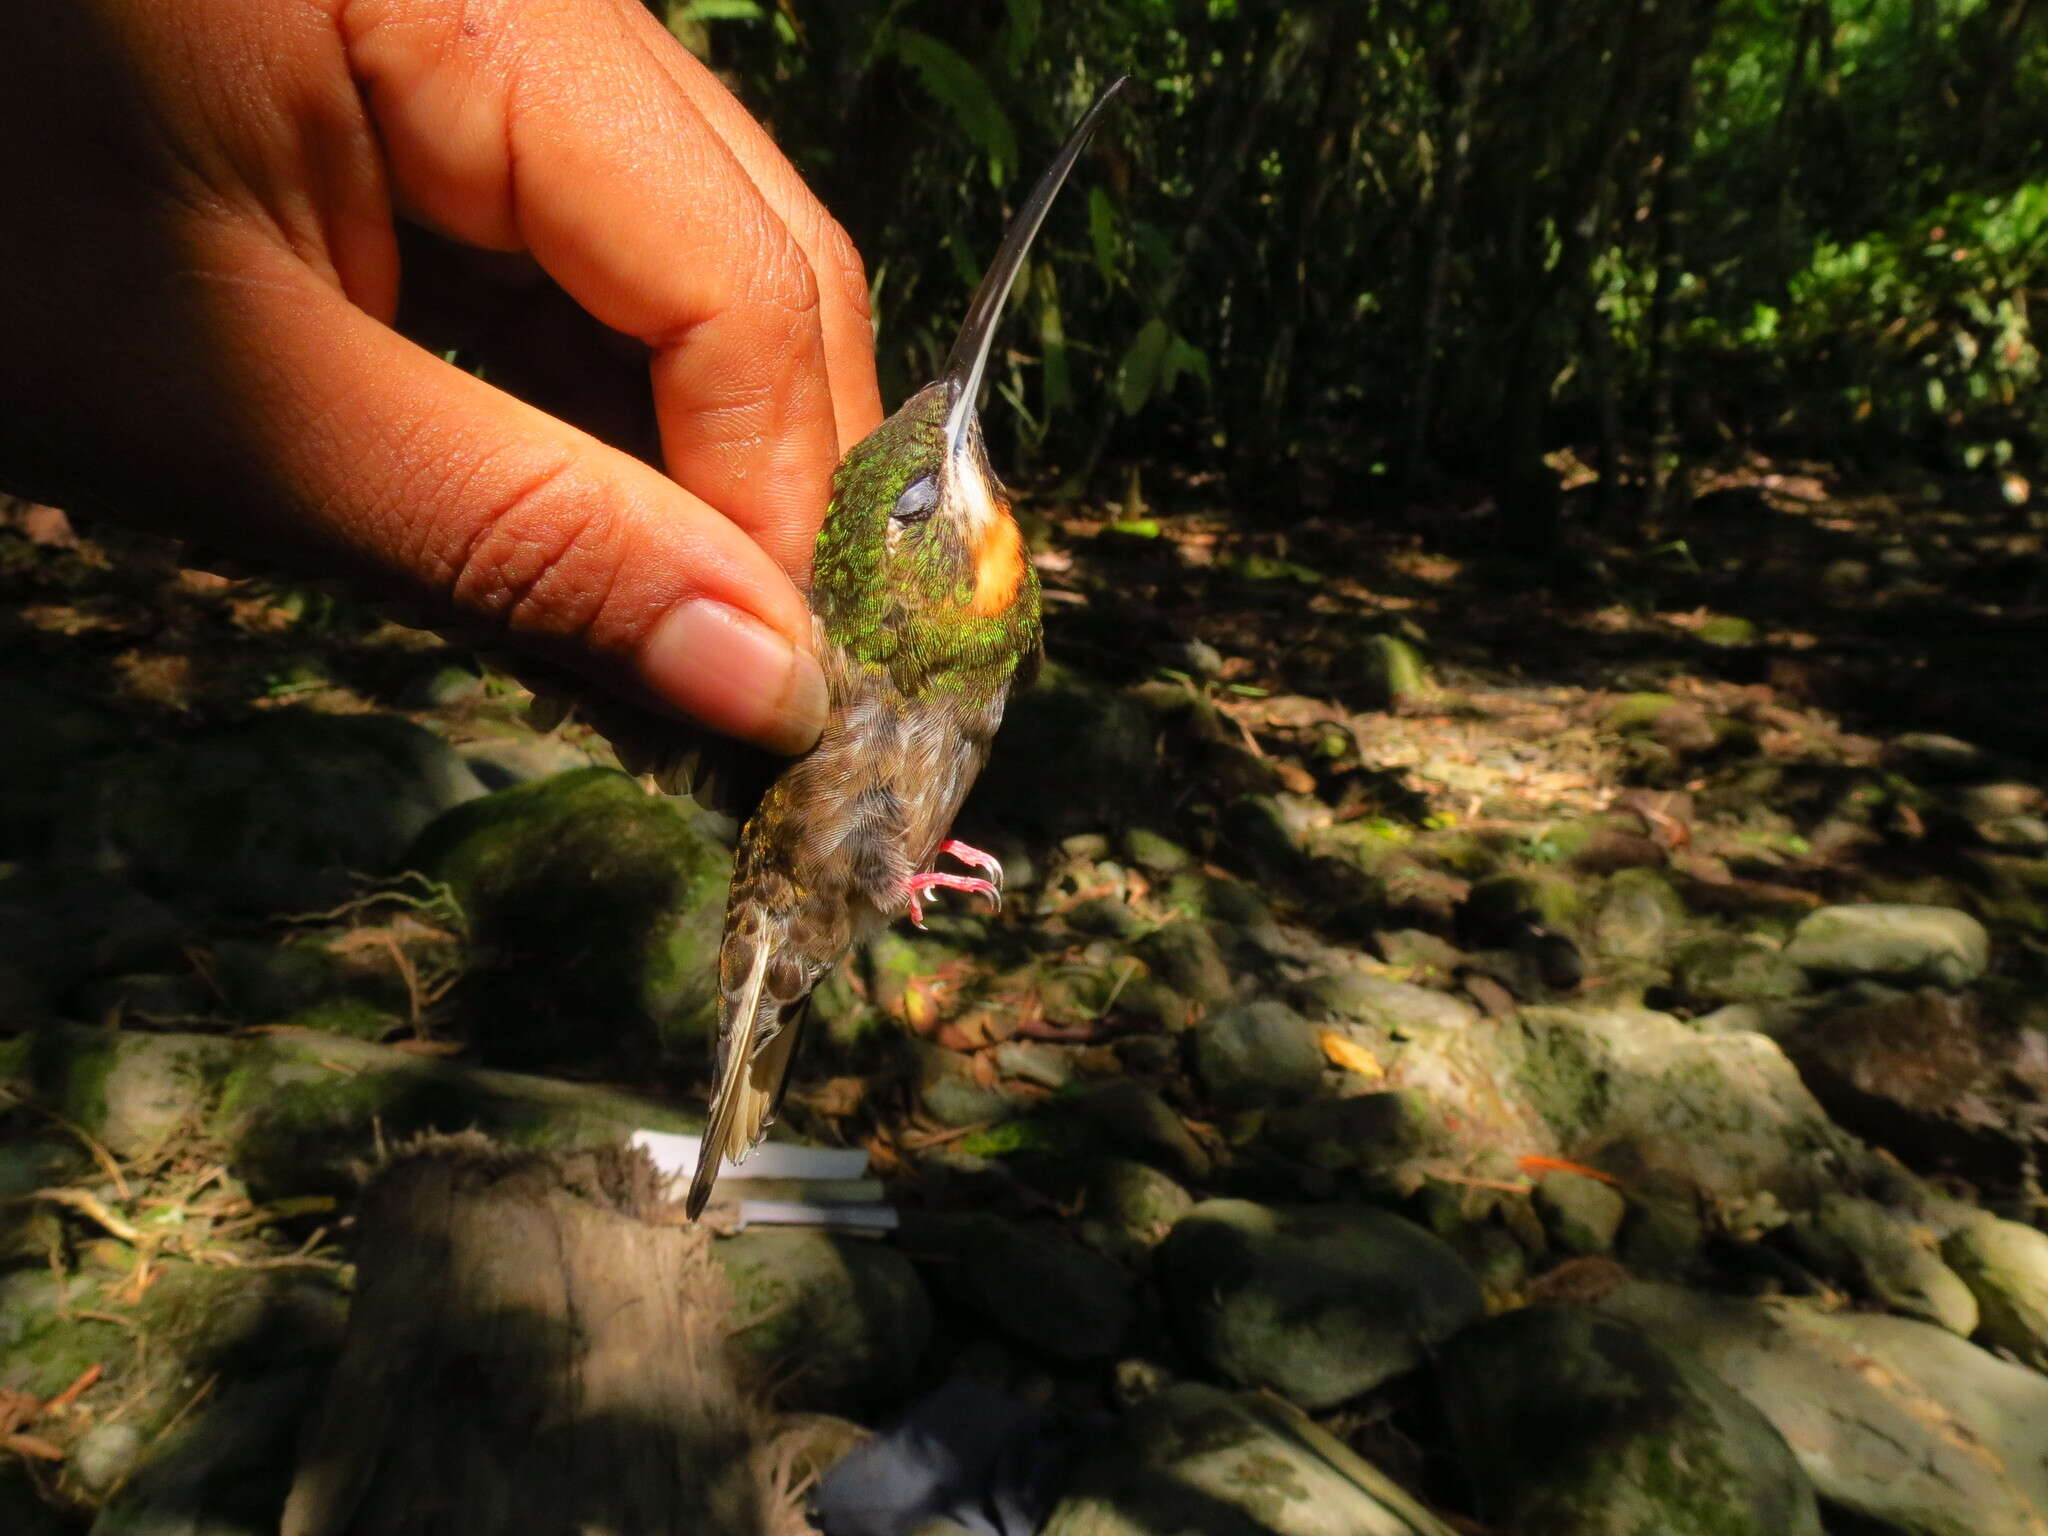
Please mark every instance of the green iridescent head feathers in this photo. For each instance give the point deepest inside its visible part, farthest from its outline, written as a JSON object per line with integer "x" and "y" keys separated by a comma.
{"x": 919, "y": 566}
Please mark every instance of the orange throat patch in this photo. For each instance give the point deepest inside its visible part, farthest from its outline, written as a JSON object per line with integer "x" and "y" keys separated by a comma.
{"x": 998, "y": 565}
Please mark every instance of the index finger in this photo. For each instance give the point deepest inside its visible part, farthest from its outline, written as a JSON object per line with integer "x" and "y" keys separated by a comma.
{"x": 565, "y": 128}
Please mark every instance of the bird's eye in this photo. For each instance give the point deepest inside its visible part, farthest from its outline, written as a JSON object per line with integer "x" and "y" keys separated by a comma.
{"x": 919, "y": 500}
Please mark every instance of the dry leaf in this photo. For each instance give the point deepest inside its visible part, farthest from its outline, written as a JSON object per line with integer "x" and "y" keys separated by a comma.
{"x": 16, "y": 1409}
{"x": 1581, "y": 1280}
{"x": 1533, "y": 1163}
{"x": 836, "y": 1097}
{"x": 430, "y": 1048}
{"x": 1350, "y": 1055}
{"x": 919, "y": 1011}
{"x": 31, "y": 1445}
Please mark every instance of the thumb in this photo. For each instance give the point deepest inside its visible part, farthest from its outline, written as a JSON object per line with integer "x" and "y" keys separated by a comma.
{"x": 430, "y": 480}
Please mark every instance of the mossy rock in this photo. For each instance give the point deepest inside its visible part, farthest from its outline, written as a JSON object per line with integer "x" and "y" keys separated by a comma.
{"x": 827, "y": 1323}
{"x": 1726, "y": 631}
{"x": 52, "y": 736}
{"x": 1102, "y": 742}
{"x": 1573, "y": 1425}
{"x": 276, "y": 814}
{"x": 595, "y": 912}
{"x": 1392, "y": 674}
{"x": 1731, "y": 968}
{"x": 1500, "y": 909}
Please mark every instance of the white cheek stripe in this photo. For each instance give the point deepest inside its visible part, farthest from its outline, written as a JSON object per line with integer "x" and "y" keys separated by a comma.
{"x": 976, "y": 504}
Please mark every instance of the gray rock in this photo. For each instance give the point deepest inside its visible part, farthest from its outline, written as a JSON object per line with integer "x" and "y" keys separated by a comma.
{"x": 1864, "y": 1247}
{"x": 1151, "y": 1002}
{"x": 303, "y": 1109}
{"x": 1574, "y": 1424}
{"x": 1318, "y": 1303}
{"x": 445, "y": 687}
{"x": 1898, "y": 1421}
{"x": 1938, "y": 1077}
{"x": 1103, "y": 742}
{"x": 1154, "y": 854}
{"x": 1664, "y": 1235}
{"x": 1139, "y": 1123}
{"x": 1393, "y": 1005}
{"x": 130, "y": 1090}
{"x": 1391, "y": 673}
{"x": 105, "y": 1454}
{"x": 54, "y": 738}
{"x": 62, "y": 927}
{"x": 1130, "y": 1209}
{"x": 277, "y": 814}
{"x": 1379, "y": 1134}
{"x": 1192, "y": 1460}
{"x": 587, "y": 898}
{"x": 1104, "y": 917}
{"x": 1034, "y": 1061}
{"x": 1636, "y": 915}
{"x": 833, "y": 1324}
{"x": 1417, "y": 949}
{"x": 1257, "y": 1053}
{"x": 145, "y": 995}
{"x": 519, "y": 755}
{"x": 1995, "y": 802}
{"x": 1263, "y": 830}
{"x": 2014, "y": 832}
{"x": 1899, "y": 943}
{"x": 1665, "y": 1106}
{"x": 1185, "y": 956}
{"x": 1037, "y": 1286}
{"x": 1221, "y": 900}
{"x": 2005, "y": 1265}
{"x": 1196, "y": 657}
{"x": 950, "y": 1092}
{"x": 1730, "y": 968}
{"x": 1582, "y": 1215}
{"x": 223, "y": 1471}
{"x": 1937, "y": 759}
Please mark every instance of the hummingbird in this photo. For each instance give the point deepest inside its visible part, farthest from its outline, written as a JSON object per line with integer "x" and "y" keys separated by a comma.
{"x": 925, "y": 615}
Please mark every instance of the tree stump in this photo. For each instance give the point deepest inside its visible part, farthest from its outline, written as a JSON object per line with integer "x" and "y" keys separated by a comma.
{"x": 525, "y": 1355}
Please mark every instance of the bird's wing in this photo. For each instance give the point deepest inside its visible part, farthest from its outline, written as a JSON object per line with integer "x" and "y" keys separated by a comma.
{"x": 717, "y": 772}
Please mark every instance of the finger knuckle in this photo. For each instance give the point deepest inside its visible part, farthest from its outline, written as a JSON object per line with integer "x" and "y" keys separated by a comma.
{"x": 534, "y": 561}
{"x": 841, "y": 259}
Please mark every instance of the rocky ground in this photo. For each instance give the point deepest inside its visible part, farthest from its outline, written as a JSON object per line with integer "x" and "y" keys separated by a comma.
{"x": 1460, "y": 1054}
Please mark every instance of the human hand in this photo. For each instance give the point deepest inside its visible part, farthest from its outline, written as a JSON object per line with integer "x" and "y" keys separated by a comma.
{"x": 199, "y": 271}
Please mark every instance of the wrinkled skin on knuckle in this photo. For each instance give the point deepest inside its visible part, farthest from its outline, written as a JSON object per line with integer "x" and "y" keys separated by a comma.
{"x": 844, "y": 266}
{"x": 540, "y": 560}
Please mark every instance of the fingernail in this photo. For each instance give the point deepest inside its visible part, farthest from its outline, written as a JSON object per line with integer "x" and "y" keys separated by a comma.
{"x": 732, "y": 671}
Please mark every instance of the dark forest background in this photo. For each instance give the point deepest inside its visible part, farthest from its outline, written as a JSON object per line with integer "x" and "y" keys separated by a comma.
{"x": 1337, "y": 249}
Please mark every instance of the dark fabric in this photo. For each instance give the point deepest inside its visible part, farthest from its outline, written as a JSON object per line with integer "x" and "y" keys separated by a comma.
{"x": 966, "y": 1453}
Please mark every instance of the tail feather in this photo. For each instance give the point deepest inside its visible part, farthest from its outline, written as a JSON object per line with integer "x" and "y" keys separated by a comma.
{"x": 738, "y": 1027}
{"x": 759, "y": 1043}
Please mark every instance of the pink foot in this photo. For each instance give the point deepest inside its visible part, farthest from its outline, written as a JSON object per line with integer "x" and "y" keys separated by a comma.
{"x": 974, "y": 858}
{"x": 923, "y": 885}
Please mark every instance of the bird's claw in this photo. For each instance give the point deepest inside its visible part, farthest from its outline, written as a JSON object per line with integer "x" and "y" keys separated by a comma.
{"x": 974, "y": 858}
{"x": 923, "y": 885}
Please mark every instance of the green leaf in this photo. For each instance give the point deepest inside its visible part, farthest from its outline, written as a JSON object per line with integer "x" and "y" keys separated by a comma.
{"x": 1137, "y": 376}
{"x": 1102, "y": 233}
{"x": 1057, "y": 386}
{"x": 1021, "y": 36}
{"x": 1182, "y": 356}
{"x": 961, "y": 89}
{"x": 717, "y": 10}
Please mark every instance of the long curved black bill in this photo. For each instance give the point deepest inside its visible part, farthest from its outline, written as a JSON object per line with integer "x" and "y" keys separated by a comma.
{"x": 969, "y": 357}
